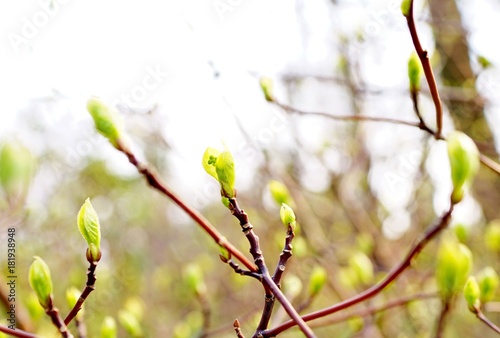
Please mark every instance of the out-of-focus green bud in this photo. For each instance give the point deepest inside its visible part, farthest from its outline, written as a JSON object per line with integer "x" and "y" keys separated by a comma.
{"x": 292, "y": 286}
{"x": 40, "y": 281}
{"x": 462, "y": 232}
{"x": 183, "y": 330}
{"x": 279, "y": 192}
{"x": 347, "y": 277}
{"x": 300, "y": 247}
{"x": 356, "y": 324}
{"x": 107, "y": 122}
{"x": 225, "y": 255}
{"x": 109, "y": 328}
{"x": 464, "y": 161}
{"x": 362, "y": 267}
{"x": 130, "y": 323}
{"x": 488, "y": 283}
{"x": 454, "y": 262}
{"x": 414, "y": 72}
{"x": 72, "y": 296}
{"x": 224, "y": 167}
{"x": 317, "y": 280}
{"x": 471, "y": 294}
{"x": 193, "y": 278}
{"x": 266, "y": 84}
{"x": 405, "y": 7}
{"x": 365, "y": 242}
{"x": 484, "y": 62}
{"x": 88, "y": 224}
{"x": 17, "y": 167}
{"x": 34, "y": 309}
{"x": 287, "y": 216}
{"x": 208, "y": 161}
{"x": 492, "y": 235}
{"x": 135, "y": 306}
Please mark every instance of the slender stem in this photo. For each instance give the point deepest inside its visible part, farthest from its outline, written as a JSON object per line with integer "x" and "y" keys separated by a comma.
{"x": 494, "y": 166}
{"x": 445, "y": 311}
{"x": 269, "y": 285}
{"x": 53, "y": 313}
{"x": 237, "y": 329}
{"x": 377, "y": 288}
{"x": 346, "y": 117}
{"x": 16, "y": 332}
{"x": 89, "y": 287}
{"x": 429, "y": 75}
{"x": 155, "y": 182}
{"x": 484, "y": 319}
{"x": 365, "y": 312}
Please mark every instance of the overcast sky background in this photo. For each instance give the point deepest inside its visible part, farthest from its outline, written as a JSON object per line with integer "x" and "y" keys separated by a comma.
{"x": 166, "y": 53}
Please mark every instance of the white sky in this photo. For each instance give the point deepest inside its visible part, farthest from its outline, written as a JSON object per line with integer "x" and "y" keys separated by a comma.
{"x": 109, "y": 48}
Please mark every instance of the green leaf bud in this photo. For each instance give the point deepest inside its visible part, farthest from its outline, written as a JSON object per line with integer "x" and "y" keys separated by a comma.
{"x": 41, "y": 282}
{"x": 492, "y": 236}
{"x": 317, "y": 280}
{"x": 109, "y": 328}
{"x": 130, "y": 323}
{"x": 88, "y": 224}
{"x": 464, "y": 161}
{"x": 17, "y": 166}
{"x": 225, "y": 255}
{"x": 107, "y": 121}
{"x": 266, "y": 85}
{"x": 488, "y": 283}
{"x": 224, "y": 167}
{"x": 193, "y": 278}
{"x": 225, "y": 201}
{"x": 287, "y": 216}
{"x": 279, "y": 192}
{"x": 471, "y": 294}
{"x": 72, "y": 296}
{"x": 454, "y": 262}
{"x": 405, "y": 7}
{"x": 209, "y": 159}
{"x": 462, "y": 232}
{"x": 292, "y": 286}
{"x": 362, "y": 267}
{"x": 414, "y": 72}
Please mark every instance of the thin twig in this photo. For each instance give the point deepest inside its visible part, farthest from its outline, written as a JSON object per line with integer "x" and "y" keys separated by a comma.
{"x": 16, "y": 332}
{"x": 429, "y": 75}
{"x": 156, "y": 182}
{"x": 371, "y": 310}
{"x": 377, "y": 288}
{"x": 268, "y": 282}
{"x": 53, "y": 313}
{"x": 89, "y": 287}
{"x": 484, "y": 319}
{"x": 237, "y": 329}
{"x": 445, "y": 311}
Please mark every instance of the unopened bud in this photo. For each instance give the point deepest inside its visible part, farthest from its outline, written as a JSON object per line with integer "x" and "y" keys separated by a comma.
{"x": 454, "y": 262}
{"x": 317, "y": 280}
{"x": 107, "y": 121}
{"x": 488, "y": 283}
{"x": 88, "y": 224}
{"x": 41, "y": 282}
{"x": 471, "y": 294}
{"x": 287, "y": 216}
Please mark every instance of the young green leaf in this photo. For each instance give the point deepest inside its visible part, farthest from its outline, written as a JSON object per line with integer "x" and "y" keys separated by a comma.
{"x": 17, "y": 166}
{"x": 88, "y": 224}
{"x": 224, "y": 167}
{"x": 317, "y": 280}
{"x": 471, "y": 294}
{"x": 266, "y": 85}
{"x": 492, "y": 236}
{"x": 464, "y": 161}
{"x": 41, "y": 282}
{"x": 209, "y": 158}
{"x": 287, "y": 216}
{"x": 279, "y": 192}
{"x": 362, "y": 267}
{"x": 454, "y": 262}
{"x": 108, "y": 328}
{"x": 405, "y": 7}
{"x": 488, "y": 283}
{"x": 414, "y": 72}
{"x": 130, "y": 323}
{"x": 193, "y": 278}
{"x": 107, "y": 121}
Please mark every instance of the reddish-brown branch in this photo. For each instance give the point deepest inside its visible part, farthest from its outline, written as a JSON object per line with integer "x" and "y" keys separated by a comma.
{"x": 377, "y": 288}
{"x": 155, "y": 182}
{"x": 429, "y": 75}
{"x": 484, "y": 319}
{"x": 371, "y": 310}
{"x": 89, "y": 287}
{"x": 16, "y": 332}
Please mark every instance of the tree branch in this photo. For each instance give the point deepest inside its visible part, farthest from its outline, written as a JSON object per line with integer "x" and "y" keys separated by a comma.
{"x": 89, "y": 287}
{"x": 374, "y": 290}
{"x": 16, "y": 332}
